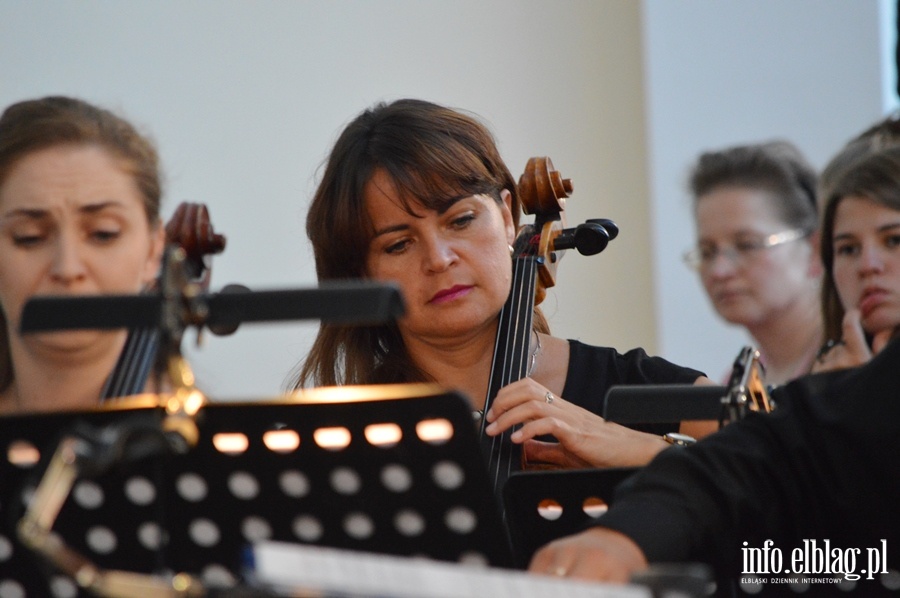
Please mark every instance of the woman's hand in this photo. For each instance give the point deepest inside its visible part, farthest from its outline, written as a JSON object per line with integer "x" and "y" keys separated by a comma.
{"x": 852, "y": 350}
{"x": 598, "y": 554}
{"x": 585, "y": 439}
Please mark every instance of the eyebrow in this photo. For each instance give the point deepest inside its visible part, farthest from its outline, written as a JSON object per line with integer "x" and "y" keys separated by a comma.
{"x": 880, "y": 229}
{"x": 744, "y": 232}
{"x": 390, "y": 229}
{"x": 38, "y": 213}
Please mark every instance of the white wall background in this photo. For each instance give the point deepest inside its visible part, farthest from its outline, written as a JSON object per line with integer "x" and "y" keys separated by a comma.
{"x": 245, "y": 99}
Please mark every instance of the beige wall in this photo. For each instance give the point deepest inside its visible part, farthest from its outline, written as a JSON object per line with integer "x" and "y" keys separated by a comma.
{"x": 607, "y": 298}
{"x": 245, "y": 98}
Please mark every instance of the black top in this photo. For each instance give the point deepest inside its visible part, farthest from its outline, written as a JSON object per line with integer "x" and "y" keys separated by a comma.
{"x": 593, "y": 370}
{"x": 823, "y": 467}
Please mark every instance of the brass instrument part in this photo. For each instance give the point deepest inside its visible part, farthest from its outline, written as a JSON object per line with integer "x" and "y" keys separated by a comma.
{"x": 747, "y": 389}
{"x": 35, "y": 529}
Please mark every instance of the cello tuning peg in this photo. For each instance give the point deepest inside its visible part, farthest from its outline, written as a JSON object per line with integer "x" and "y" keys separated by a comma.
{"x": 591, "y": 238}
{"x": 611, "y": 227}
{"x": 588, "y": 239}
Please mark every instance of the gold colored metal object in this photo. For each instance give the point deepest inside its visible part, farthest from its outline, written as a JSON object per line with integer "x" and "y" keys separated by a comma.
{"x": 35, "y": 529}
{"x": 747, "y": 389}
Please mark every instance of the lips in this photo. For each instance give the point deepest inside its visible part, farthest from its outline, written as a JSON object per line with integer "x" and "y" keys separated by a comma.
{"x": 871, "y": 298}
{"x": 454, "y": 292}
{"x": 727, "y": 295}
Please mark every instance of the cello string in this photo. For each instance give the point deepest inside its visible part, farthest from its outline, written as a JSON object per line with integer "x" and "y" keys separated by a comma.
{"x": 522, "y": 342}
{"x": 516, "y": 322}
{"x": 502, "y": 362}
{"x": 122, "y": 378}
{"x": 114, "y": 382}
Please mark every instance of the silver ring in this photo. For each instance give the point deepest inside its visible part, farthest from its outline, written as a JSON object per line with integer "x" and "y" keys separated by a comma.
{"x": 826, "y": 348}
{"x": 548, "y": 397}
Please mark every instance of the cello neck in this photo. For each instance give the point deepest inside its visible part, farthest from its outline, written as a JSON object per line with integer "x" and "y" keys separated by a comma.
{"x": 510, "y": 363}
{"x": 191, "y": 230}
{"x": 134, "y": 366}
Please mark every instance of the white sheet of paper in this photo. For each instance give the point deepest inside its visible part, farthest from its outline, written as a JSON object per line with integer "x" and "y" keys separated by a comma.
{"x": 296, "y": 568}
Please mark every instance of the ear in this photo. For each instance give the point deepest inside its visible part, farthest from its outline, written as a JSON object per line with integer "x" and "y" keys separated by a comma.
{"x": 154, "y": 254}
{"x": 506, "y": 209}
{"x": 815, "y": 269}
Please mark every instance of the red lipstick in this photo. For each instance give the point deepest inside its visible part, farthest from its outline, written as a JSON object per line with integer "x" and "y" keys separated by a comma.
{"x": 454, "y": 292}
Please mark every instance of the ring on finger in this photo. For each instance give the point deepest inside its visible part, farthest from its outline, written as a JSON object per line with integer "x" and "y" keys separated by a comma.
{"x": 826, "y": 348}
{"x": 549, "y": 397}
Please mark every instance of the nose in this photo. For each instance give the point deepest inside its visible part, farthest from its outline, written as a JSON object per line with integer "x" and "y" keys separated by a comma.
{"x": 439, "y": 254}
{"x": 871, "y": 261}
{"x": 68, "y": 263}
{"x": 722, "y": 264}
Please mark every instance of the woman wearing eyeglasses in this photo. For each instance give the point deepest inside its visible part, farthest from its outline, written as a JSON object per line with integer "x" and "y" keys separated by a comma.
{"x": 756, "y": 253}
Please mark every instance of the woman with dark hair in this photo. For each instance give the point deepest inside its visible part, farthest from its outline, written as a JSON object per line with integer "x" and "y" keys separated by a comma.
{"x": 861, "y": 254}
{"x": 79, "y": 214}
{"x": 417, "y": 194}
{"x": 756, "y": 253}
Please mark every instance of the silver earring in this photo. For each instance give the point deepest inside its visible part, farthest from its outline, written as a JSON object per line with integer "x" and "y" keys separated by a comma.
{"x": 512, "y": 249}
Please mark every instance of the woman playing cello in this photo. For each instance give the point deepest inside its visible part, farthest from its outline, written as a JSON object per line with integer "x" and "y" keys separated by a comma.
{"x": 79, "y": 214}
{"x": 417, "y": 194}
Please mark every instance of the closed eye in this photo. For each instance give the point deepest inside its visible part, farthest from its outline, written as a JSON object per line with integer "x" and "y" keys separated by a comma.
{"x": 748, "y": 245}
{"x": 105, "y": 236}
{"x": 463, "y": 221}
{"x": 397, "y": 247}
{"x": 27, "y": 240}
{"x": 708, "y": 252}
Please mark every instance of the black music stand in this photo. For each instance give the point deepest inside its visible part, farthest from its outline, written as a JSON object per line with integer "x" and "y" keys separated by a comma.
{"x": 351, "y": 302}
{"x": 196, "y": 512}
{"x": 667, "y": 403}
{"x": 542, "y": 506}
{"x": 663, "y": 403}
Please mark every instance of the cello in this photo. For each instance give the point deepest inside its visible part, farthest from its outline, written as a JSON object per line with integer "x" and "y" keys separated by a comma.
{"x": 189, "y": 229}
{"x": 538, "y": 248}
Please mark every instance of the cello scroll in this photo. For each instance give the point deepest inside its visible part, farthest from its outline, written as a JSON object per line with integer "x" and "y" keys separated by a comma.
{"x": 191, "y": 229}
{"x": 543, "y": 192}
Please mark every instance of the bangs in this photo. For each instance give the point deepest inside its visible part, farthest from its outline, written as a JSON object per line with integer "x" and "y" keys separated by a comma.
{"x": 436, "y": 178}
{"x": 436, "y": 193}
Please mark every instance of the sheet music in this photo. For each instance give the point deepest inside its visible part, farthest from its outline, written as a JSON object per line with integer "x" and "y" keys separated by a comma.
{"x": 303, "y": 570}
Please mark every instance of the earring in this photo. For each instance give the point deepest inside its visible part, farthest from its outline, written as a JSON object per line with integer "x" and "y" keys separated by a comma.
{"x": 512, "y": 250}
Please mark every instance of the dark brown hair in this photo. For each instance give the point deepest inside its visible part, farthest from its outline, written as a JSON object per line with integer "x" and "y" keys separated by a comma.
{"x": 875, "y": 176}
{"x": 775, "y": 166}
{"x": 882, "y": 135}
{"x": 433, "y": 155}
{"x": 33, "y": 125}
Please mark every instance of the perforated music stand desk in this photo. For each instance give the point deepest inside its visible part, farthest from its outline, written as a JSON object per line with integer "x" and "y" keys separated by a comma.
{"x": 198, "y": 511}
{"x": 542, "y": 506}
